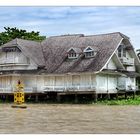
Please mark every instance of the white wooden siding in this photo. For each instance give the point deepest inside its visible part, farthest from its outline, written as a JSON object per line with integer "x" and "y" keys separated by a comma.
{"x": 130, "y": 83}
{"x": 2, "y": 58}
{"x": 121, "y": 83}
{"x": 111, "y": 65}
{"x": 75, "y": 80}
{"x": 131, "y": 68}
{"x": 112, "y": 84}
{"x": 68, "y": 80}
{"x": 103, "y": 83}
{"x": 29, "y": 81}
{"x": 93, "y": 79}
{"x": 85, "y": 80}
{"x": 49, "y": 80}
{"x": 59, "y": 81}
{"x": 15, "y": 61}
{"x": 106, "y": 84}
{"x": 5, "y": 81}
{"x": 13, "y": 57}
{"x": 40, "y": 83}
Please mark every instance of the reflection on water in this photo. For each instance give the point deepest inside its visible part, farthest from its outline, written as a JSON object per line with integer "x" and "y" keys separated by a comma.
{"x": 44, "y": 118}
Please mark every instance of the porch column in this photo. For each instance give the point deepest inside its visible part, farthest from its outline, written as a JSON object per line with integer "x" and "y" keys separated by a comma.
{"x": 108, "y": 96}
{"x": 76, "y": 99}
{"x": 125, "y": 95}
{"x": 117, "y": 96}
{"x": 58, "y": 98}
{"x": 95, "y": 97}
{"x": 36, "y": 98}
{"x": 6, "y": 97}
{"x": 134, "y": 94}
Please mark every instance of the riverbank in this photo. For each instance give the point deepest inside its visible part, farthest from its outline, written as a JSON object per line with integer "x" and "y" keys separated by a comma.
{"x": 120, "y": 101}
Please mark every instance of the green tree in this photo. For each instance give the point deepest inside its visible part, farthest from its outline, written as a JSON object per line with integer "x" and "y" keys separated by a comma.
{"x": 12, "y": 33}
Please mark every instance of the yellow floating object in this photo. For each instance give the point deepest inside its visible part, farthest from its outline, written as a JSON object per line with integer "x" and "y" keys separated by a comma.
{"x": 19, "y": 94}
{"x": 19, "y": 97}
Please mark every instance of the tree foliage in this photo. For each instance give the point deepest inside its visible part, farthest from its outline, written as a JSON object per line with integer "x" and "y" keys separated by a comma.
{"x": 12, "y": 33}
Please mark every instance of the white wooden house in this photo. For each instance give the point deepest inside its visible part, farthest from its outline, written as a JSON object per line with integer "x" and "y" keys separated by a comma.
{"x": 70, "y": 64}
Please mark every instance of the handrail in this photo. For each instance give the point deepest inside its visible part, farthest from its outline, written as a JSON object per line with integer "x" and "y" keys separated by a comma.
{"x": 125, "y": 60}
{"x": 12, "y": 89}
{"x": 68, "y": 88}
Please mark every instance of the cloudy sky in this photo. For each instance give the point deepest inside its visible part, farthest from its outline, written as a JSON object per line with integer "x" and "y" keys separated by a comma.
{"x": 68, "y": 20}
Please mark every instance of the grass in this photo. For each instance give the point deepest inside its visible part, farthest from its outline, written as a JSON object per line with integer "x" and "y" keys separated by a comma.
{"x": 129, "y": 101}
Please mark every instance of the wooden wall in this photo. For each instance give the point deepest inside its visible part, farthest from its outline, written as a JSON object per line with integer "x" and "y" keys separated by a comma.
{"x": 102, "y": 82}
{"x": 15, "y": 61}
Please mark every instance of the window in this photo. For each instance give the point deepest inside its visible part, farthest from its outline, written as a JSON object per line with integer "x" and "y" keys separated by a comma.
{"x": 11, "y": 49}
{"x": 72, "y": 54}
{"x": 89, "y": 52}
{"x": 121, "y": 51}
{"x": 124, "y": 52}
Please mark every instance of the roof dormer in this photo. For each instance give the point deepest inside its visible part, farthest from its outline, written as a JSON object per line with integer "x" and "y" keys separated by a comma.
{"x": 90, "y": 52}
{"x": 73, "y": 53}
{"x": 10, "y": 49}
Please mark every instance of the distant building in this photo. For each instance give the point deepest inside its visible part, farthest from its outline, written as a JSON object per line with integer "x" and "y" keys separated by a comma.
{"x": 70, "y": 64}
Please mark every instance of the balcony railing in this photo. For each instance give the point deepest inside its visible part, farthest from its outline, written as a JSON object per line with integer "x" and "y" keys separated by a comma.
{"x": 70, "y": 88}
{"x": 121, "y": 87}
{"x": 11, "y": 90}
{"x": 6, "y": 90}
{"x": 127, "y": 61}
{"x": 128, "y": 88}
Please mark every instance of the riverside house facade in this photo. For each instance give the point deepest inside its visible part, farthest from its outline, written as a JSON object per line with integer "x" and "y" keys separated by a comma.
{"x": 76, "y": 64}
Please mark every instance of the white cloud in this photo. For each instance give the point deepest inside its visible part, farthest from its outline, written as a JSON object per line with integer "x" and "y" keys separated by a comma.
{"x": 64, "y": 20}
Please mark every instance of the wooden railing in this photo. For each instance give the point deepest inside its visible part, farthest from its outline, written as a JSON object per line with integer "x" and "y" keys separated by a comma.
{"x": 128, "y": 88}
{"x": 11, "y": 90}
{"x": 127, "y": 61}
{"x": 70, "y": 88}
{"x": 121, "y": 87}
{"x": 6, "y": 90}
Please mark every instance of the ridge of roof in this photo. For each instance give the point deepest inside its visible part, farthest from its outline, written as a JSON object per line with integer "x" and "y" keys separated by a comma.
{"x": 82, "y": 35}
{"x": 122, "y": 35}
{"x": 68, "y": 35}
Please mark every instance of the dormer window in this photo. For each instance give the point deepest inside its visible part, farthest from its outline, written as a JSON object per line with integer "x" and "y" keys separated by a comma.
{"x": 121, "y": 51}
{"x": 11, "y": 49}
{"x": 73, "y": 53}
{"x": 89, "y": 52}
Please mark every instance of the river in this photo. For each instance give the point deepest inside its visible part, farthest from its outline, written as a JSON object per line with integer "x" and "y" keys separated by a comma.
{"x": 69, "y": 119}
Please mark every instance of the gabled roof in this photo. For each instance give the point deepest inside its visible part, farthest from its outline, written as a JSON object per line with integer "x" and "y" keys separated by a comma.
{"x": 90, "y": 48}
{"x": 52, "y": 52}
{"x": 31, "y": 49}
{"x": 55, "y": 52}
{"x": 77, "y": 50}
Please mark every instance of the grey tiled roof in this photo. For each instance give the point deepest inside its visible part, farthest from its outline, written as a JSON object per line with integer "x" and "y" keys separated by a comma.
{"x": 52, "y": 52}
{"x": 55, "y": 52}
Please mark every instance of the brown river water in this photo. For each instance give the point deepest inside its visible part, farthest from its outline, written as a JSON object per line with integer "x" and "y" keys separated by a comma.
{"x": 69, "y": 119}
